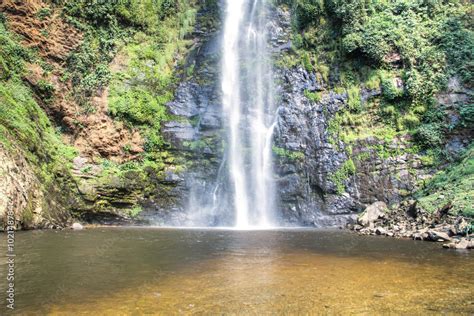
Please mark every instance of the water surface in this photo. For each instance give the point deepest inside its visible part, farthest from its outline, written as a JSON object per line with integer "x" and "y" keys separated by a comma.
{"x": 123, "y": 271}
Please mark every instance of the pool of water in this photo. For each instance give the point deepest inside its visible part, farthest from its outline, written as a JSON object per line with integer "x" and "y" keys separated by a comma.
{"x": 123, "y": 271}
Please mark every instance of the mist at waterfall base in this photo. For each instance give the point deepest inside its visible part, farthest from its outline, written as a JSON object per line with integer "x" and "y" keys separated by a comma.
{"x": 244, "y": 194}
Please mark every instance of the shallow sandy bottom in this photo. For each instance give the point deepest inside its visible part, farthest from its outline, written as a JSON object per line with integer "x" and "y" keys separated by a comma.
{"x": 167, "y": 272}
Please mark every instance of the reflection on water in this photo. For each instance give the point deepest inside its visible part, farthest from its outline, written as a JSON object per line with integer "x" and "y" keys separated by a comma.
{"x": 165, "y": 271}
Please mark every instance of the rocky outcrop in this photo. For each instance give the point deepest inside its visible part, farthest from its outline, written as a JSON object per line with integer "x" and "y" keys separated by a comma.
{"x": 408, "y": 220}
{"x": 20, "y": 194}
{"x": 25, "y": 18}
{"x": 93, "y": 132}
{"x": 309, "y": 192}
{"x": 325, "y": 180}
{"x": 460, "y": 244}
{"x": 307, "y": 157}
{"x": 372, "y": 213}
{"x": 23, "y": 198}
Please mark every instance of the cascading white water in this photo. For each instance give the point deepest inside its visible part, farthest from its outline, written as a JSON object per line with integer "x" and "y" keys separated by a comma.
{"x": 249, "y": 112}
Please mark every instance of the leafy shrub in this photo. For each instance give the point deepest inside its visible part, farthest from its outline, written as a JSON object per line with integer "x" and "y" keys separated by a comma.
{"x": 389, "y": 91}
{"x": 347, "y": 169}
{"x": 323, "y": 71}
{"x": 467, "y": 115}
{"x": 305, "y": 10}
{"x": 45, "y": 89}
{"x": 410, "y": 121}
{"x": 154, "y": 140}
{"x": 137, "y": 106}
{"x": 168, "y": 7}
{"x": 352, "y": 42}
{"x": 43, "y": 13}
{"x": 429, "y": 135}
{"x": 313, "y": 96}
{"x": 306, "y": 60}
{"x": 12, "y": 55}
{"x": 389, "y": 111}
{"x": 100, "y": 77}
{"x": 354, "y": 99}
{"x": 373, "y": 81}
{"x": 454, "y": 185}
{"x": 297, "y": 41}
{"x": 458, "y": 42}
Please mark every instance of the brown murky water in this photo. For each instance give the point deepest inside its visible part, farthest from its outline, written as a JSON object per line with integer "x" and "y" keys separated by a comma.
{"x": 135, "y": 271}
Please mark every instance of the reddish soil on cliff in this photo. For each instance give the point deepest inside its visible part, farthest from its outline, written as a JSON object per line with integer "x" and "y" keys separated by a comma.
{"x": 93, "y": 132}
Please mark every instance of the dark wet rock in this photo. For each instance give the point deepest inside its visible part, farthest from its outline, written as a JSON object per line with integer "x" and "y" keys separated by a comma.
{"x": 172, "y": 177}
{"x": 109, "y": 219}
{"x": 307, "y": 184}
{"x": 380, "y": 231}
{"x": 438, "y": 236}
{"x": 456, "y": 145}
{"x": 455, "y": 94}
{"x": 178, "y": 132}
{"x": 185, "y": 101}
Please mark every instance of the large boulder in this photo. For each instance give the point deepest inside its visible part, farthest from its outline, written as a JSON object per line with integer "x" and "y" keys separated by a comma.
{"x": 372, "y": 213}
{"x": 438, "y": 236}
{"x": 463, "y": 243}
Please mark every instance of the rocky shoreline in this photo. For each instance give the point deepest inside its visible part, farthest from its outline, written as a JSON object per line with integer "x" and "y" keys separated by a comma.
{"x": 408, "y": 220}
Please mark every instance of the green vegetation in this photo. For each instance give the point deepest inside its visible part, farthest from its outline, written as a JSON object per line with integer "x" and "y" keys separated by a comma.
{"x": 23, "y": 124}
{"x": 353, "y": 99}
{"x": 313, "y": 96}
{"x": 156, "y": 27}
{"x": 139, "y": 92}
{"x": 12, "y": 55}
{"x": 134, "y": 212}
{"x": 347, "y": 169}
{"x": 137, "y": 106}
{"x": 287, "y": 154}
{"x": 144, "y": 40}
{"x": 408, "y": 49}
{"x": 451, "y": 186}
{"x": 403, "y": 51}
{"x": 133, "y": 47}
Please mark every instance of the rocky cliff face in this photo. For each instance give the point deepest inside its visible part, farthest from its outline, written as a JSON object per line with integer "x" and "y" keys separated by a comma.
{"x": 309, "y": 191}
{"x": 20, "y": 195}
{"x": 23, "y": 202}
{"x": 304, "y": 168}
{"x": 307, "y": 157}
{"x": 321, "y": 181}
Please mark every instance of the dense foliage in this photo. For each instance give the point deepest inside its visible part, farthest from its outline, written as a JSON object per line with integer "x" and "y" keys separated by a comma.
{"x": 130, "y": 48}
{"x": 453, "y": 187}
{"x": 375, "y": 43}
{"x": 23, "y": 124}
{"x": 410, "y": 51}
{"x": 144, "y": 39}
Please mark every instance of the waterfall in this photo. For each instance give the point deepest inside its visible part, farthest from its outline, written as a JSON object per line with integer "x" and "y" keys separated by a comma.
{"x": 248, "y": 106}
